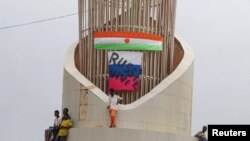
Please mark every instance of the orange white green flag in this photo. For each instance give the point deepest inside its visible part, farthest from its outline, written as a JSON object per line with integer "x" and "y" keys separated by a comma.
{"x": 127, "y": 41}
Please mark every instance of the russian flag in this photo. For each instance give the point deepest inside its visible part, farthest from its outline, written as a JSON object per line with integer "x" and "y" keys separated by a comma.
{"x": 127, "y": 41}
{"x": 124, "y": 70}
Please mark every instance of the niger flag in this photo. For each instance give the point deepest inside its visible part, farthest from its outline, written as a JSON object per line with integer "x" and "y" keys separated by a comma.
{"x": 127, "y": 41}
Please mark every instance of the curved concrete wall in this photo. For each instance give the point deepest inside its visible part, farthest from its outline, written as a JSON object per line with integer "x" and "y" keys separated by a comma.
{"x": 166, "y": 108}
{"x": 119, "y": 134}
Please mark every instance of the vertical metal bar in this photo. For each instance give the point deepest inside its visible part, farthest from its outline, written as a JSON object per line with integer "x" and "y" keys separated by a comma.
{"x": 139, "y": 15}
{"x": 100, "y": 24}
{"x": 107, "y": 13}
{"x": 162, "y": 16}
{"x": 145, "y": 73}
{"x": 123, "y": 15}
{"x": 126, "y": 94}
{"x": 146, "y": 53}
{"x": 87, "y": 23}
{"x": 93, "y": 62}
{"x": 101, "y": 15}
{"x": 86, "y": 30}
{"x": 90, "y": 41}
{"x": 148, "y": 15}
{"x": 153, "y": 16}
{"x": 105, "y": 52}
{"x": 128, "y": 16}
{"x": 151, "y": 52}
{"x": 133, "y": 18}
{"x": 80, "y": 35}
{"x": 155, "y": 70}
{"x": 144, "y": 15}
{"x": 117, "y": 15}
{"x": 111, "y": 14}
{"x": 167, "y": 31}
{"x": 158, "y": 56}
{"x": 104, "y": 72}
{"x": 160, "y": 33}
{"x": 173, "y": 13}
{"x": 157, "y": 17}
{"x": 84, "y": 37}
{"x": 143, "y": 63}
{"x": 93, "y": 67}
{"x": 98, "y": 28}
{"x": 165, "y": 39}
{"x": 134, "y": 14}
{"x": 151, "y": 79}
{"x": 100, "y": 75}
{"x": 88, "y": 55}
{"x": 97, "y": 68}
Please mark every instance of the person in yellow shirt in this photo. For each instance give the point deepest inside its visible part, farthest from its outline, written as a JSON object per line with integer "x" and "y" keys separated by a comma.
{"x": 66, "y": 124}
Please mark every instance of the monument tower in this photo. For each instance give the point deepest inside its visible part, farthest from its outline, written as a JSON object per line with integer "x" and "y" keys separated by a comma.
{"x": 129, "y": 46}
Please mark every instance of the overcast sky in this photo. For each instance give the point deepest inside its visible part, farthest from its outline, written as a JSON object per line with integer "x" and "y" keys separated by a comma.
{"x": 31, "y": 62}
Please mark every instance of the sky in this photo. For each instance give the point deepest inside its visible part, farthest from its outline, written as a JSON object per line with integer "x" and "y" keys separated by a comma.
{"x": 31, "y": 62}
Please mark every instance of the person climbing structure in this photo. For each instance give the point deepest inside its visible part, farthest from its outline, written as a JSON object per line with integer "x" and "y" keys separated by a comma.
{"x": 113, "y": 107}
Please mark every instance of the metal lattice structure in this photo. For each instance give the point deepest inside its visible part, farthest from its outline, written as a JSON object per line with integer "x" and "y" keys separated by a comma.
{"x": 146, "y": 16}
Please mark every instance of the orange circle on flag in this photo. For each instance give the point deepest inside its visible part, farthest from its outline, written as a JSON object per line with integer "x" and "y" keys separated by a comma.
{"x": 126, "y": 40}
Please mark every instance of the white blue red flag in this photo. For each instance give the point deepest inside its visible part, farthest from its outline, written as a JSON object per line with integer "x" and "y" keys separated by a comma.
{"x": 124, "y": 70}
